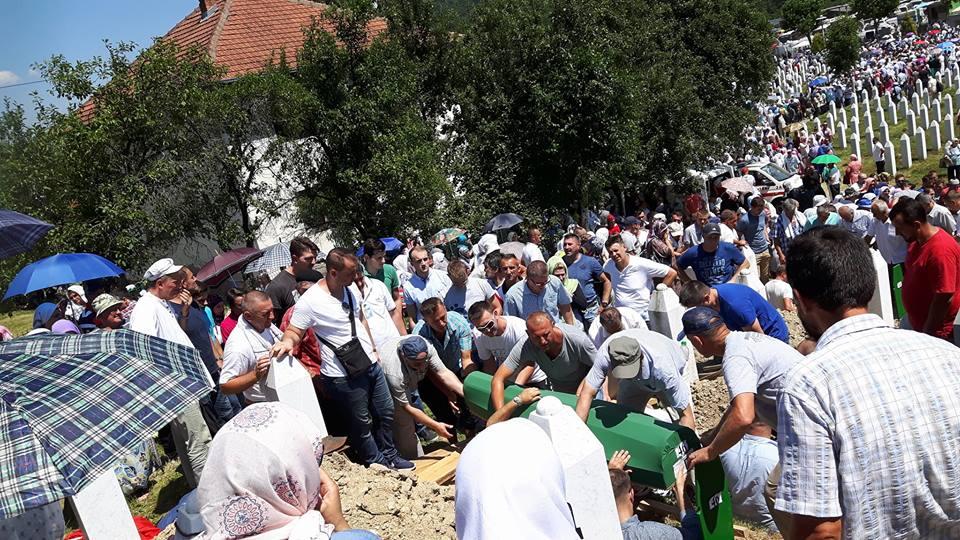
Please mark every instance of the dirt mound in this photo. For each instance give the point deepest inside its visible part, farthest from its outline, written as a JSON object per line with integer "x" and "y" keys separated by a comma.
{"x": 397, "y": 506}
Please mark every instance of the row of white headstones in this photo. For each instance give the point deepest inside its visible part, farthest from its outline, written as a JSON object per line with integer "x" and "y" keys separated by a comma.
{"x": 930, "y": 121}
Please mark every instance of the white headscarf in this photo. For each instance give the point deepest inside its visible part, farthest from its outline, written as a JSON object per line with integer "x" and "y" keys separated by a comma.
{"x": 510, "y": 485}
{"x": 485, "y": 245}
{"x": 262, "y": 477}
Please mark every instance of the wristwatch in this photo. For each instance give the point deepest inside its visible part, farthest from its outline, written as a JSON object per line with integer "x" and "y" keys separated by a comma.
{"x": 516, "y": 401}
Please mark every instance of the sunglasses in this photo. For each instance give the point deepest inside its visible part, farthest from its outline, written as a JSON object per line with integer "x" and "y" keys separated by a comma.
{"x": 489, "y": 326}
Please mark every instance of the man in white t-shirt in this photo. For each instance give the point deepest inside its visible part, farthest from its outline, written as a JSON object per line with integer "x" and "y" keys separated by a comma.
{"x": 879, "y": 155}
{"x": 497, "y": 336}
{"x": 465, "y": 291}
{"x": 531, "y": 250}
{"x": 153, "y": 316}
{"x": 631, "y": 278}
{"x": 892, "y": 247}
{"x": 336, "y": 317}
{"x": 754, "y": 369}
{"x": 383, "y": 317}
{"x": 779, "y": 292}
{"x": 613, "y": 320}
{"x": 246, "y": 356}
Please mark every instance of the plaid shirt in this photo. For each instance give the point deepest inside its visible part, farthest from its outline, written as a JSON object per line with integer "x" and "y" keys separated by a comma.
{"x": 457, "y": 338}
{"x": 868, "y": 430}
{"x": 779, "y": 232}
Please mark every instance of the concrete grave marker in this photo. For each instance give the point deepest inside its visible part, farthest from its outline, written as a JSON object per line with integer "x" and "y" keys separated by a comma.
{"x": 948, "y": 99}
{"x": 911, "y": 122}
{"x": 921, "y": 148}
{"x": 880, "y": 117}
{"x": 831, "y": 123}
{"x": 915, "y": 101}
{"x": 102, "y": 510}
{"x": 884, "y": 133}
{"x": 933, "y": 135}
{"x": 842, "y": 135}
{"x": 666, "y": 314}
{"x": 586, "y": 481}
{"x": 905, "y": 152}
{"x": 924, "y": 117}
{"x": 855, "y": 144}
{"x": 890, "y": 158}
{"x": 937, "y": 112}
{"x": 816, "y": 124}
{"x": 881, "y": 304}
{"x": 948, "y": 127}
{"x": 843, "y": 116}
{"x": 289, "y": 382}
{"x": 892, "y": 113}
{"x": 833, "y": 108}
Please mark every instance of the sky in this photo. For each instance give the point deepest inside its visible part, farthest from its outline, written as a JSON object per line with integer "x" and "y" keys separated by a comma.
{"x": 35, "y": 30}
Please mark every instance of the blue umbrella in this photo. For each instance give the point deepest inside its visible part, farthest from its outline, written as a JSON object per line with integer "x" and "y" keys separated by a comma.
{"x": 18, "y": 233}
{"x": 61, "y": 269}
{"x": 819, "y": 81}
{"x": 390, "y": 243}
{"x": 947, "y": 45}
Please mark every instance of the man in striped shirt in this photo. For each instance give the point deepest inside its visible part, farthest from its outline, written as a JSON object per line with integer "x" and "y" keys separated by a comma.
{"x": 868, "y": 422}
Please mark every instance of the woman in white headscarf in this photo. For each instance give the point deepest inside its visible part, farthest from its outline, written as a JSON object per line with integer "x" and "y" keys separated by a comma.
{"x": 510, "y": 485}
{"x": 263, "y": 480}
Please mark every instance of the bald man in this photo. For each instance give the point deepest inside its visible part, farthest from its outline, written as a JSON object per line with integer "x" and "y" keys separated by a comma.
{"x": 246, "y": 357}
{"x": 563, "y": 352}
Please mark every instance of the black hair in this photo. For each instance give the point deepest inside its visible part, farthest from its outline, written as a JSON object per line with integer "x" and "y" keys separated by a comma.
{"x": 909, "y": 210}
{"x": 692, "y": 293}
{"x": 832, "y": 268}
{"x": 373, "y": 246}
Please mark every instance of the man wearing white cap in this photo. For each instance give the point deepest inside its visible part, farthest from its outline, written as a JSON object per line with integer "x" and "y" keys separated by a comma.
{"x": 154, "y": 316}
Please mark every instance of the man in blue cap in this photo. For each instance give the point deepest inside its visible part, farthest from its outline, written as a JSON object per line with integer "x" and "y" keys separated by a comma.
{"x": 740, "y": 307}
{"x": 406, "y": 361}
{"x": 754, "y": 366}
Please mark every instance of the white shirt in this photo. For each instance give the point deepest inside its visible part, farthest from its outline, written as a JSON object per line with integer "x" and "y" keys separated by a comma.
{"x": 377, "y": 304}
{"x": 692, "y": 236}
{"x": 531, "y": 252}
{"x": 877, "y": 152}
{"x": 630, "y": 318}
{"x": 244, "y": 347}
{"x": 632, "y": 285}
{"x": 329, "y": 319}
{"x": 892, "y": 247}
{"x": 155, "y": 317}
{"x": 727, "y": 234}
{"x": 498, "y": 347}
{"x": 778, "y": 291}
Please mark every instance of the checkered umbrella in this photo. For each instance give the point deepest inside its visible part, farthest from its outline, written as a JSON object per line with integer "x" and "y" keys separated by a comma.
{"x": 19, "y": 232}
{"x": 275, "y": 256}
{"x": 69, "y": 411}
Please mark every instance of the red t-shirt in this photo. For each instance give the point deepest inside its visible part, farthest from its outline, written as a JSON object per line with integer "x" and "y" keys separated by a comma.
{"x": 932, "y": 268}
{"x": 226, "y": 327}
{"x": 308, "y": 350}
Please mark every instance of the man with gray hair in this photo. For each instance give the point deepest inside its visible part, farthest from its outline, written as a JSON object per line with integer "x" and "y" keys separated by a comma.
{"x": 246, "y": 356}
{"x": 154, "y": 316}
{"x": 540, "y": 292}
{"x": 853, "y": 220}
{"x": 892, "y": 248}
{"x": 938, "y": 215}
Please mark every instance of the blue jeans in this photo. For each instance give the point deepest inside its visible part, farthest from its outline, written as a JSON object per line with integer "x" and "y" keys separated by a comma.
{"x": 366, "y": 397}
{"x": 226, "y": 405}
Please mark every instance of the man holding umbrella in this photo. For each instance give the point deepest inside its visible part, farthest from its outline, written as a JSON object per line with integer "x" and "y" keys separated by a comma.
{"x": 154, "y": 316}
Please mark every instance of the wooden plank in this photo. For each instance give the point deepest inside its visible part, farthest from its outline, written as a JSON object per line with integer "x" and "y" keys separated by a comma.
{"x": 442, "y": 471}
{"x": 739, "y": 532}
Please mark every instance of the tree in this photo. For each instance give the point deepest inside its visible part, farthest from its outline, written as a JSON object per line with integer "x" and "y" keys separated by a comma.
{"x": 874, "y": 10}
{"x": 377, "y": 167}
{"x": 564, "y": 103}
{"x": 801, "y": 16}
{"x": 818, "y": 44}
{"x": 843, "y": 45}
{"x": 908, "y": 24}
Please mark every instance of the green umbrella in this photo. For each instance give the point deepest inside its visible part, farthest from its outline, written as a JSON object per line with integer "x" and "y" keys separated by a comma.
{"x": 826, "y": 159}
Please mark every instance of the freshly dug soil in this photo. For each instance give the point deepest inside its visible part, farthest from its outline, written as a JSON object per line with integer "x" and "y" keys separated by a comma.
{"x": 397, "y": 506}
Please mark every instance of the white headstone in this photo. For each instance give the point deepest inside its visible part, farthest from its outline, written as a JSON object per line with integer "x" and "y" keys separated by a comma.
{"x": 949, "y": 79}
{"x": 666, "y": 318}
{"x": 933, "y": 135}
{"x": 843, "y": 116}
{"x": 892, "y": 114}
{"x": 831, "y": 123}
{"x": 833, "y": 108}
{"x": 867, "y": 119}
{"x": 881, "y": 304}
{"x": 911, "y": 122}
{"x": 864, "y": 96}
{"x": 937, "y": 112}
{"x": 855, "y": 108}
{"x": 921, "y": 148}
{"x": 948, "y": 99}
{"x": 884, "y": 133}
{"x": 890, "y": 158}
{"x": 948, "y": 133}
{"x": 289, "y": 382}
{"x": 890, "y": 100}
{"x": 855, "y": 144}
{"x": 842, "y": 135}
{"x": 926, "y": 98}
{"x": 905, "y": 152}
{"x": 902, "y": 106}
{"x": 816, "y": 124}
{"x": 915, "y": 101}
{"x": 855, "y": 125}
{"x": 880, "y": 116}
{"x": 102, "y": 510}
{"x": 752, "y": 280}
{"x": 924, "y": 116}
{"x": 586, "y": 481}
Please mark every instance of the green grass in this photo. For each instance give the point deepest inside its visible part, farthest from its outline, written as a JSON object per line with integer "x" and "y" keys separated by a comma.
{"x": 918, "y": 168}
{"x": 19, "y": 322}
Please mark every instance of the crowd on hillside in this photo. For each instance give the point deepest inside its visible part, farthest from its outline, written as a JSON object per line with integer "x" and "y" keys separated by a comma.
{"x": 827, "y": 438}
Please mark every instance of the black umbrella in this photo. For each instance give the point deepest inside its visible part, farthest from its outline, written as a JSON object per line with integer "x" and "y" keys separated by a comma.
{"x": 502, "y": 221}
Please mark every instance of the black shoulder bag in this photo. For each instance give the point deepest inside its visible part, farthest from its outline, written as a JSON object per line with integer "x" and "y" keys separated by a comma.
{"x": 351, "y": 354}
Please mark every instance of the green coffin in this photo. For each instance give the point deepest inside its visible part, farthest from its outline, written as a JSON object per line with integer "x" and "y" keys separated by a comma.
{"x": 656, "y": 448}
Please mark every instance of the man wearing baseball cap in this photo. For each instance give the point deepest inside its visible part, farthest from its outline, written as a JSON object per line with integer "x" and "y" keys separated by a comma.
{"x": 639, "y": 364}
{"x": 154, "y": 316}
{"x": 406, "y": 360}
{"x": 713, "y": 261}
{"x": 754, "y": 366}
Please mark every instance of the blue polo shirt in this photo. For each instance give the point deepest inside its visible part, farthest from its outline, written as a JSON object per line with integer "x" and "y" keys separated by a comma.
{"x": 712, "y": 268}
{"x": 752, "y": 228}
{"x": 587, "y": 271}
{"x": 456, "y": 339}
{"x": 521, "y": 301}
{"x": 740, "y": 306}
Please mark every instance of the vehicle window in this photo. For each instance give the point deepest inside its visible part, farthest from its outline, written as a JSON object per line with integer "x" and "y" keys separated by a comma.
{"x": 776, "y": 171}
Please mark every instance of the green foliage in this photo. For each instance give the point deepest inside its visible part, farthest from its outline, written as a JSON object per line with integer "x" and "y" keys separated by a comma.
{"x": 908, "y": 24}
{"x": 874, "y": 9}
{"x": 843, "y": 45}
{"x": 378, "y": 169}
{"x": 565, "y": 101}
{"x": 818, "y": 44}
{"x": 801, "y": 15}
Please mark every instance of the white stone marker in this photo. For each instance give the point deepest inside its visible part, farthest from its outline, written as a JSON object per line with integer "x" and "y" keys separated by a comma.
{"x": 855, "y": 144}
{"x": 816, "y": 125}
{"x": 892, "y": 113}
{"x": 666, "y": 318}
{"x": 903, "y": 106}
{"x": 843, "y": 116}
{"x": 289, "y": 382}
{"x": 586, "y": 481}
{"x": 948, "y": 99}
{"x": 884, "y": 133}
{"x": 752, "y": 280}
{"x": 831, "y": 123}
{"x": 937, "y": 111}
{"x": 880, "y": 117}
{"x": 924, "y": 117}
{"x": 881, "y": 304}
{"x": 102, "y": 510}
{"x": 911, "y": 122}
{"x": 890, "y": 158}
{"x": 921, "y": 144}
{"x": 842, "y": 135}
{"x": 949, "y": 79}
{"x": 905, "y": 160}
{"x": 933, "y": 135}
{"x": 948, "y": 129}
{"x": 833, "y": 108}
{"x": 915, "y": 101}
{"x": 867, "y": 120}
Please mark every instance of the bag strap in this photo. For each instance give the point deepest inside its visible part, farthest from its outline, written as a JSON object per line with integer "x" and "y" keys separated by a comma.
{"x": 353, "y": 324}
